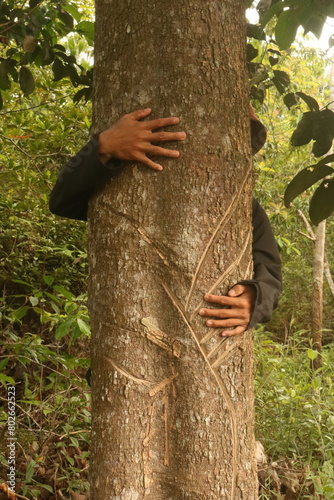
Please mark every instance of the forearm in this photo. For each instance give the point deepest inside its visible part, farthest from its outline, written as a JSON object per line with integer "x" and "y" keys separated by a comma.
{"x": 78, "y": 180}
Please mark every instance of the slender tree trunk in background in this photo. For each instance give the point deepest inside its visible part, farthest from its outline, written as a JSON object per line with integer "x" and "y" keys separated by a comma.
{"x": 317, "y": 296}
{"x": 172, "y": 402}
{"x": 318, "y": 271}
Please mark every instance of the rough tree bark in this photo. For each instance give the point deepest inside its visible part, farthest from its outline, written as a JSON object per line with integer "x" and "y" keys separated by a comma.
{"x": 172, "y": 402}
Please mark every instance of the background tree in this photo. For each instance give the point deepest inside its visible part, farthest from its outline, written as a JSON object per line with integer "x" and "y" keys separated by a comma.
{"x": 172, "y": 422}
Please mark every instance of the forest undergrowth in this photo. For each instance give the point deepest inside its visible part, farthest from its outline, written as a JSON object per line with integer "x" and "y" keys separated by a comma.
{"x": 44, "y": 350}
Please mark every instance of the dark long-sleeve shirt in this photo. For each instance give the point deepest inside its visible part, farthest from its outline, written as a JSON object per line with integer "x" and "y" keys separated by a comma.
{"x": 85, "y": 172}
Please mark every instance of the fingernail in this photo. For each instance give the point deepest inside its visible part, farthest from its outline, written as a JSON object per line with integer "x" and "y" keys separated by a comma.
{"x": 231, "y": 292}
{"x": 159, "y": 167}
{"x": 209, "y": 323}
{"x": 201, "y": 311}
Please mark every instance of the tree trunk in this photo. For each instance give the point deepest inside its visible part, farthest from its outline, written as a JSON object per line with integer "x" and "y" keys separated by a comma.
{"x": 172, "y": 402}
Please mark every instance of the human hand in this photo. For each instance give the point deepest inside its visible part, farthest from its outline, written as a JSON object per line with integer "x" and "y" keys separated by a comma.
{"x": 130, "y": 139}
{"x": 240, "y": 300}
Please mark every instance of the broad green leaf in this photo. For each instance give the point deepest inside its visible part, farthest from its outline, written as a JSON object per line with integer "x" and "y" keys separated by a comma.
{"x": 326, "y": 160}
{"x": 60, "y": 289}
{"x": 305, "y": 179}
{"x": 274, "y": 9}
{"x": 18, "y": 314}
{"x": 48, "y": 280}
{"x": 322, "y": 145}
{"x": 83, "y": 327}
{"x": 290, "y": 100}
{"x": 251, "y": 52}
{"x": 303, "y": 133}
{"x": 322, "y": 202}
{"x": 86, "y": 28}
{"x": 33, "y": 300}
{"x": 255, "y": 31}
{"x": 63, "y": 329}
{"x": 59, "y": 70}
{"x": 315, "y": 23}
{"x": 286, "y": 29}
{"x": 312, "y": 354}
{"x": 73, "y": 10}
{"x": 312, "y": 103}
{"x": 66, "y": 18}
{"x": 26, "y": 80}
{"x": 281, "y": 80}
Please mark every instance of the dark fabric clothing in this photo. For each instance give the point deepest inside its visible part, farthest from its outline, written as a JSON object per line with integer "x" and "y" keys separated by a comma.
{"x": 84, "y": 173}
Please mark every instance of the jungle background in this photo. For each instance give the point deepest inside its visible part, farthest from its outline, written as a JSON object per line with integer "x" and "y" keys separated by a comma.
{"x": 46, "y": 57}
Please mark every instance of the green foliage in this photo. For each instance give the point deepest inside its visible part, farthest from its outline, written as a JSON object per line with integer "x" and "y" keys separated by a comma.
{"x": 295, "y": 413}
{"x": 32, "y": 34}
{"x": 43, "y": 312}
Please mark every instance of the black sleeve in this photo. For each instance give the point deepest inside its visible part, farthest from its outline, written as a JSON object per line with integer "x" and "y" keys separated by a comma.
{"x": 267, "y": 279}
{"x": 78, "y": 179}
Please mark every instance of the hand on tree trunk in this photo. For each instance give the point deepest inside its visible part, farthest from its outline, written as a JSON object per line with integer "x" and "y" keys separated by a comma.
{"x": 236, "y": 312}
{"x": 131, "y": 139}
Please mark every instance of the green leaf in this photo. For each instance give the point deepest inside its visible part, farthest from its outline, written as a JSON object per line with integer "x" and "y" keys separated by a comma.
{"x": 86, "y": 28}
{"x": 305, "y": 179}
{"x": 63, "y": 329}
{"x": 312, "y": 103}
{"x": 26, "y": 80}
{"x": 326, "y": 160}
{"x": 312, "y": 354}
{"x": 33, "y": 300}
{"x": 73, "y": 10}
{"x": 290, "y": 100}
{"x": 315, "y": 24}
{"x": 5, "y": 378}
{"x": 281, "y": 80}
{"x": 59, "y": 70}
{"x": 251, "y": 52}
{"x": 48, "y": 280}
{"x": 322, "y": 202}
{"x": 255, "y": 31}
{"x": 303, "y": 133}
{"x": 30, "y": 470}
{"x": 83, "y": 327}
{"x": 60, "y": 289}
{"x": 66, "y": 18}
{"x": 322, "y": 145}
{"x": 286, "y": 29}
{"x": 273, "y": 60}
{"x": 18, "y": 314}
{"x": 275, "y": 8}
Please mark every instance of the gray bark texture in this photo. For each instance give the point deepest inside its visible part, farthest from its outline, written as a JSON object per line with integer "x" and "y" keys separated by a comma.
{"x": 172, "y": 401}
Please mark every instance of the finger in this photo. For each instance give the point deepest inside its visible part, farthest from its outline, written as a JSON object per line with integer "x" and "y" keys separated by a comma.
{"x": 223, "y": 300}
{"x": 236, "y": 331}
{"x": 225, "y": 313}
{"x": 237, "y": 290}
{"x": 146, "y": 161}
{"x": 156, "y": 150}
{"x": 168, "y": 136}
{"x": 139, "y": 113}
{"x": 162, "y": 122}
{"x": 225, "y": 323}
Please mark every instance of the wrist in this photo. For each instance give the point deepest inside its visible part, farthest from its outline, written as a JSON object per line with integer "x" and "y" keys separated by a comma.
{"x": 104, "y": 148}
